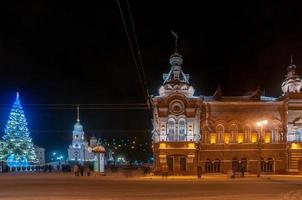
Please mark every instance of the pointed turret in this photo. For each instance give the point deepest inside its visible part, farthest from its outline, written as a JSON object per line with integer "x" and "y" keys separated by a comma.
{"x": 176, "y": 79}
{"x": 292, "y": 82}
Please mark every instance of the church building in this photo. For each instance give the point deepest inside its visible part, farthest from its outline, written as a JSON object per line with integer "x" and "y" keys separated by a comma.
{"x": 218, "y": 133}
{"x": 80, "y": 150}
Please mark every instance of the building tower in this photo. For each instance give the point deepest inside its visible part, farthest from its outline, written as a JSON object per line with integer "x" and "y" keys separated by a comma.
{"x": 176, "y": 114}
{"x": 292, "y": 82}
{"x": 78, "y": 150}
{"x": 78, "y": 133}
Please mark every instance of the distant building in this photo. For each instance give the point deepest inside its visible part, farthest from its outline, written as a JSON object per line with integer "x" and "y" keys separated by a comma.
{"x": 40, "y": 152}
{"x": 218, "y": 133}
{"x": 80, "y": 150}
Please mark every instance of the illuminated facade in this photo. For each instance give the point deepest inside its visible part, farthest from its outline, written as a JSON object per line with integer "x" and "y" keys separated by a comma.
{"x": 79, "y": 150}
{"x": 219, "y": 133}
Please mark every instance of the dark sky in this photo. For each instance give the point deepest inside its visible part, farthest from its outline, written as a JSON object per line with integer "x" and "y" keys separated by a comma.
{"x": 77, "y": 53}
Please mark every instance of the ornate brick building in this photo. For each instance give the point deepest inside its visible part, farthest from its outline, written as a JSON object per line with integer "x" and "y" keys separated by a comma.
{"x": 219, "y": 133}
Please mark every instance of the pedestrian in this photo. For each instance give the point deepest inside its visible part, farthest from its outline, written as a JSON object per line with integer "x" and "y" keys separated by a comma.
{"x": 242, "y": 171}
{"x": 82, "y": 170}
{"x": 199, "y": 172}
{"x": 88, "y": 171}
{"x": 165, "y": 171}
{"x": 233, "y": 171}
{"x": 76, "y": 170}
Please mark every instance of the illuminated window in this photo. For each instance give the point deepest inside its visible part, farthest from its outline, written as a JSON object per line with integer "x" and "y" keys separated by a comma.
{"x": 240, "y": 138}
{"x": 171, "y": 129}
{"x": 191, "y": 146}
{"x": 162, "y": 145}
{"x": 254, "y": 137}
{"x": 220, "y": 132}
{"x": 213, "y": 138}
{"x": 247, "y": 134}
{"x": 267, "y": 137}
{"x": 227, "y": 137}
{"x": 296, "y": 146}
{"x": 182, "y": 129}
{"x": 234, "y": 131}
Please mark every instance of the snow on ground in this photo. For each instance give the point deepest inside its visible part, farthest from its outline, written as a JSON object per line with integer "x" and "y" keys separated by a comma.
{"x": 46, "y": 186}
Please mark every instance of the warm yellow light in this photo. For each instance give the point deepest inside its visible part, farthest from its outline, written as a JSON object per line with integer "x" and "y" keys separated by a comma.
{"x": 213, "y": 138}
{"x": 296, "y": 146}
{"x": 191, "y": 146}
{"x": 263, "y": 122}
{"x": 162, "y": 145}
{"x": 267, "y": 138}
{"x": 227, "y": 137}
{"x": 254, "y": 137}
{"x": 240, "y": 138}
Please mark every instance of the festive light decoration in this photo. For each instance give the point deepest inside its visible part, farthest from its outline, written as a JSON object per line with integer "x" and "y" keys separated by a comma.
{"x": 18, "y": 149}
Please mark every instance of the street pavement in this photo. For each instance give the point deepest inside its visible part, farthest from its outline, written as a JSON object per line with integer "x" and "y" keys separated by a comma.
{"x": 46, "y": 186}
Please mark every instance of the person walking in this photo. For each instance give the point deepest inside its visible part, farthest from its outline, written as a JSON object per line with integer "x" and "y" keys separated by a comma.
{"x": 82, "y": 170}
{"x": 199, "y": 171}
{"x": 233, "y": 171}
{"x": 242, "y": 171}
{"x": 76, "y": 170}
{"x": 88, "y": 171}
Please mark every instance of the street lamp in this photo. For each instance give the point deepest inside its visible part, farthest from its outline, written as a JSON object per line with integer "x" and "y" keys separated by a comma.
{"x": 261, "y": 125}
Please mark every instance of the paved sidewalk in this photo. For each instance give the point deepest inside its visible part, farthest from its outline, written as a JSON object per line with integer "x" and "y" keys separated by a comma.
{"x": 226, "y": 177}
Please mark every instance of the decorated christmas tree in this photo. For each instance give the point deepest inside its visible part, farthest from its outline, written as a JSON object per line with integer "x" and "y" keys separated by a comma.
{"x": 18, "y": 149}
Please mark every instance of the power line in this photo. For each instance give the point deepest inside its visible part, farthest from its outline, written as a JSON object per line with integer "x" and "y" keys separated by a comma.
{"x": 141, "y": 79}
{"x": 93, "y": 131}
{"x": 139, "y": 53}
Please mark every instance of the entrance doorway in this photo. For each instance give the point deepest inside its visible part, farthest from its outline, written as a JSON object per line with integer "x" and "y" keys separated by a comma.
{"x": 170, "y": 163}
{"x": 177, "y": 164}
{"x": 182, "y": 164}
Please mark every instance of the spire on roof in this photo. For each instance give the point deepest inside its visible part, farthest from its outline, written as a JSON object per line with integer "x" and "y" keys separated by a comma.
{"x": 292, "y": 66}
{"x": 176, "y": 74}
{"x": 78, "y": 113}
{"x": 176, "y": 38}
{"x": 292, "y": 82}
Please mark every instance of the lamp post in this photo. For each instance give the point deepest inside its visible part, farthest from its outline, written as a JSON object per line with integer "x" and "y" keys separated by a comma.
{"x": 261, "y": 125}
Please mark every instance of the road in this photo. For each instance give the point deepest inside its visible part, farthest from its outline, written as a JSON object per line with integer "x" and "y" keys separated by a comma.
{"x": 66, "y": 186}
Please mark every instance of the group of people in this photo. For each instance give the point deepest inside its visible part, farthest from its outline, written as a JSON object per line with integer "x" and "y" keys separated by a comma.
{"x": 235, "y": 169}
{"x": 80, "y": 169}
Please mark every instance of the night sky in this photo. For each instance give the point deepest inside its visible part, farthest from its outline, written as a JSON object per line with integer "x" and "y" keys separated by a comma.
{"x": 59, "y": 54}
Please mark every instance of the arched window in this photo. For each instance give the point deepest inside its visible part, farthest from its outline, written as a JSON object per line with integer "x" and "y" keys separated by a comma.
{"x": 247, "y": 134}
{"x": 243, "y": 165}
{"x": 298, "y": 136}
{"x": 216, "y": 166}
{"x": 171, "y": 129}
{"x": 233, "y": 131}
{"x": 182, "y": 129}
{"x": 204, "y": 136}
{"x": 275, "y": 135}
{"x": 235, "y": 164}
{"x": 220, "y": 132}
{"x": 267, "y": 165}
{"x": 208, "y": 166}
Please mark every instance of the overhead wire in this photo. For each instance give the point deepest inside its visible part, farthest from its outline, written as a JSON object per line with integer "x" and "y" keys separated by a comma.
{"x": 139, "y": 53}
{"x": 138, "y": 65}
